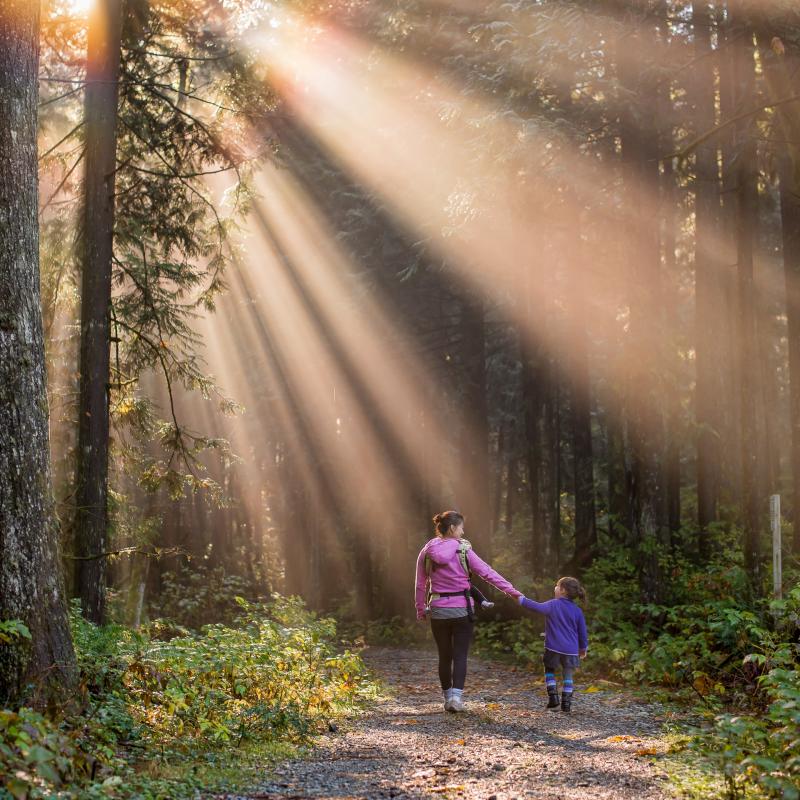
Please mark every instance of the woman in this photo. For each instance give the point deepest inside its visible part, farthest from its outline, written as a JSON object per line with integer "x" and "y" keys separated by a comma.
{"x": 445, "y": 562}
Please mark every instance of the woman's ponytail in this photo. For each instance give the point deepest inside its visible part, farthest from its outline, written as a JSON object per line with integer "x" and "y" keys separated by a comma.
{"x": 444, "y": 521}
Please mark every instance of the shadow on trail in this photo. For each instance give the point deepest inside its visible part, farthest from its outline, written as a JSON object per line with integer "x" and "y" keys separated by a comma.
{"x": 506, "y": 746}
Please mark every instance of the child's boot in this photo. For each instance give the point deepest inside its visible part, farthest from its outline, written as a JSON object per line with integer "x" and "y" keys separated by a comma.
{"x": 552, "y": 698}
{"x": 566, "y": 702}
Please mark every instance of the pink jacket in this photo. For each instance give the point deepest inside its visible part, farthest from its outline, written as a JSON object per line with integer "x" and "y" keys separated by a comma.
{"x": 448, "y": 575}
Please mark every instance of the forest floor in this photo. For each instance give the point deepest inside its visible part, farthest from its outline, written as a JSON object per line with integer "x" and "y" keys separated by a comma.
{"x": 505, "y": 746}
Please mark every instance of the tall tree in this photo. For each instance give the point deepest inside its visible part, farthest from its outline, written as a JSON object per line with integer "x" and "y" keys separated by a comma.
{"x": 97, "y": 241}
{"x": 637, "y": 72}
{"x": 746, "y": 174}
{"x": 780, "y": 55}
{"x": 30, "y": 574}
{"x": 709, "y": 290}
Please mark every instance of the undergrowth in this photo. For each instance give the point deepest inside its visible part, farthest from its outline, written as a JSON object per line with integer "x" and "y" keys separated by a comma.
{"x": 708, "y": 644}
{"x": 162, "y": 710}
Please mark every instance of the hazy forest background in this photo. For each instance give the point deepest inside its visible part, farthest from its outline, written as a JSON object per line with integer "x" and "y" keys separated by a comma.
{"x": 311, "y": 272}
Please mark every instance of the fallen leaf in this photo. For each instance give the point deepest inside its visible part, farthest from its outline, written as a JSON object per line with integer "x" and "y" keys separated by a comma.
{"x": 623, "y": 738}
{"x": 424, "y": 773}
{"x": 592, "y": 689}
{"x": 646, "y": 751}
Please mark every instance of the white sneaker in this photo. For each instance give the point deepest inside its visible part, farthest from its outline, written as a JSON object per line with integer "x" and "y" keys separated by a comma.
{"x": 456, "y": 704}
{"x": 448, "y": 704}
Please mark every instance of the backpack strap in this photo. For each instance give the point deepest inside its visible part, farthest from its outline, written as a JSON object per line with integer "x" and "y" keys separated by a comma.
{"x": 464, "y": 547}
{"x": 428, "y": 570}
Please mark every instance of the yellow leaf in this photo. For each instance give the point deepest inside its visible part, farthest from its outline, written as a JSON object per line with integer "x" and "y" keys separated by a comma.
{"x": 646, "y": 751}
{"x": 462, "y": 742}
{"x": 623, "y": 738}
{"x": 492, "y": 706}
{"x": 592, "y": 689}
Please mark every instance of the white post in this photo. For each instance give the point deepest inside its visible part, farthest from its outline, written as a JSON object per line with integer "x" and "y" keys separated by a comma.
{"x": 775, "y": 519}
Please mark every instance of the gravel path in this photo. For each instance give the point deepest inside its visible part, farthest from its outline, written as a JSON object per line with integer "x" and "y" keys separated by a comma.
{"x": 505, "y": 746}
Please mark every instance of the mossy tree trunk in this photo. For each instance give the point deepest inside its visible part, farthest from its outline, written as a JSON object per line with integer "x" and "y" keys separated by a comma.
{"x": 30, "y": 573}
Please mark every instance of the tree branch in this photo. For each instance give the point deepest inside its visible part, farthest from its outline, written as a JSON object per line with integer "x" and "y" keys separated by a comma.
{"x": 685, "y": 151}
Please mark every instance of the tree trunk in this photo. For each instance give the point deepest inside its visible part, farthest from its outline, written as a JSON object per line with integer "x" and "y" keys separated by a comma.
{"x": 709, "y": 291}
{"x": 780, "y": 64}
{"x": 502, "y": 465}
{"x": 729, "y": 409}
{"x": 581, "y": 423}
{"x": 91, "y": 488}
{"x": 790, "y": 223}
{"x": 541, "y": 456}
{"x": 30, "y": 571}
{"x": 473, "y": 499}
{"x": 671, "y": 331}
{"x": 512, "y": 487}
{"x": 643, "y": 400}
{"x": 620, "y": 523}
{"x": 746, "y": 221}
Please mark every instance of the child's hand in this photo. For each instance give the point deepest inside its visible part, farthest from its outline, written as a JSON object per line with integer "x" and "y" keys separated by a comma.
{"x": 582, "y": 653}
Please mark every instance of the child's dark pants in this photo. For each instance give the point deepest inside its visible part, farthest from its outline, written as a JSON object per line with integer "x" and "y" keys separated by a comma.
{"x": 453, "y": 637}
{"x": 552, "y": 661}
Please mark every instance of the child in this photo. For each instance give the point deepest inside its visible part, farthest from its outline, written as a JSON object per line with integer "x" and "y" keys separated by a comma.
{"x": 565, "y": 639}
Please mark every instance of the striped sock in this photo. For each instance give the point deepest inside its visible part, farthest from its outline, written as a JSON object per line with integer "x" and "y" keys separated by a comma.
{"x": 550, "y": 681}
{"x": 567, "y": 687}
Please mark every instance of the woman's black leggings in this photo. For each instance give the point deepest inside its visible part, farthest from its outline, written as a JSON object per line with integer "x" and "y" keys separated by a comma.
{"x": 453, "y": 637}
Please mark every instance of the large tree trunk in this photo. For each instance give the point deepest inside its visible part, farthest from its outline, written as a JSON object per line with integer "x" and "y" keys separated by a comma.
{"x": 709, "y": 290}
{"x": 91, "y": 487}
{"x": 780, "y": 64}
{"x": 790, "y": 222}
{"x": 746, "y": 221}
{"x": 643, "y": 401}
{"x": 30, "y": 570}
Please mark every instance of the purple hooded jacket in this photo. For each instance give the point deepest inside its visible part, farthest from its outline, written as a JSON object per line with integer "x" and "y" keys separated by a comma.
{"x": 448, "y": 575}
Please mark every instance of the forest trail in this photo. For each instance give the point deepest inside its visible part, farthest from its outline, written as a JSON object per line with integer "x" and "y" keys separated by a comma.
{"x": 505, "y": 746}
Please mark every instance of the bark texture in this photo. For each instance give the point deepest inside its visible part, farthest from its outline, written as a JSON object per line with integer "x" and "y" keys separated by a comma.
{"x": 30, "y": 588}
{"x": 91, "y": 497}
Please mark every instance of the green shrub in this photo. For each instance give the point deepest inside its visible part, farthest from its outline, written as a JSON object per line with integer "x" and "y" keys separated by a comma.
{"x": 195, "y": 597}
{"x": 761, "y": 751}
{"x": 152, "y": 709}
{"x": 276, "y": 674}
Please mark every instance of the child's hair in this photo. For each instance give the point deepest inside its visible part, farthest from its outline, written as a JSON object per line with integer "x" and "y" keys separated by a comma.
{"x": 444, "y": 520}
{"x": 573, "y": 588}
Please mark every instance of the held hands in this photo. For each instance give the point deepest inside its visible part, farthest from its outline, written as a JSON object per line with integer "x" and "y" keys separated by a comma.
{"x": 582, "y": 653}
